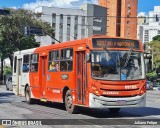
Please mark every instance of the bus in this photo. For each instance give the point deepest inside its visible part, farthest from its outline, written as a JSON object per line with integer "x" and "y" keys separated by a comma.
{"x": 96, "y": 72}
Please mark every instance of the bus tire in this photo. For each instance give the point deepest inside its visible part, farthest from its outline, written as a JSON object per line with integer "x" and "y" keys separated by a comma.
{"x": 114, "y": 110}
{"x": 29, "y": 100}
{"x": 69, "y": 104}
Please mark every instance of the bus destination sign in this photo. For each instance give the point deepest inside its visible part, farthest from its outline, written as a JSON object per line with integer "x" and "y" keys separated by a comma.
{"x": 115, "y": 43}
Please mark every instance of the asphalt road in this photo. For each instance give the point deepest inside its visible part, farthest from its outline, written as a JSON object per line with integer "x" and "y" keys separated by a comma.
{"x": 14, "y": 107}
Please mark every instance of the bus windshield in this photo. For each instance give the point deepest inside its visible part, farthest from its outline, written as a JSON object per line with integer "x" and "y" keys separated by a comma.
{"x": 117, "y": 65}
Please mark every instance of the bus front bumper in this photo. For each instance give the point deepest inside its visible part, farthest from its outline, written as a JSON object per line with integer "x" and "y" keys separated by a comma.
{"x": 108, "y": 102}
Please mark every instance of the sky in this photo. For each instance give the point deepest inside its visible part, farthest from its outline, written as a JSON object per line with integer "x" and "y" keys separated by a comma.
{"x": 143, "y": 5}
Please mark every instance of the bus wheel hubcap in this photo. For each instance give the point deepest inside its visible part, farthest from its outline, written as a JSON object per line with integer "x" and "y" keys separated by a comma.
{"x": 27, "y": 96}
{"x": 69, "y": 101}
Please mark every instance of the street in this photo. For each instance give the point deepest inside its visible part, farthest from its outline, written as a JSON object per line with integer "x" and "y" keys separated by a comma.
{"x": 14, "y": 107}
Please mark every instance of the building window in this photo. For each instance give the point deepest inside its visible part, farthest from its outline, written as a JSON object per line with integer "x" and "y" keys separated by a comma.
{"x": 83, "y": 20}
{"x": 146, "y": 31}
{"x": 53, "y": 15}
{"x": 68, "y": 26}
{"x": 53, "y": 62}
{"x": 129, "y": 4}
{"x": 66, "y": 61}
{"x": 61, "y": 25}
{"x": 76, "y": 18}
{"x": 129, "y": 11}
{"x": 26, "y": 63}
{"x": 61, "y": 16}
{"x": 34, "y": 63}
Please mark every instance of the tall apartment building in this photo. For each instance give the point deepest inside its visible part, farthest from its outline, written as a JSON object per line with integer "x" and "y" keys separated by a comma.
{"x": 141, "y": 20}
{"x": 121, "y": 17}
{"x": 154, "y": 16}
{"x": 70, "y": 24}
{"x": 150, "y": 27}
{"x": 148, "y": 31}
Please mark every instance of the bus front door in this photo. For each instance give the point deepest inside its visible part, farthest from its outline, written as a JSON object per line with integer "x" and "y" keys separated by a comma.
{"x": 81, "y": 77}
{"x": 43, "y": 65}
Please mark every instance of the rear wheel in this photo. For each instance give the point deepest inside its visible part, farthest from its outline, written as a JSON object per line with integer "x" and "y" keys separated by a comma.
{"x": 29, "y": 100}
{"x": 114, "y": 110}
{"x": 69, "y": 103}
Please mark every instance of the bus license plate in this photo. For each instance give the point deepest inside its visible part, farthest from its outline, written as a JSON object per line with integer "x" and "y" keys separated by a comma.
{"x": 121, "y": 102}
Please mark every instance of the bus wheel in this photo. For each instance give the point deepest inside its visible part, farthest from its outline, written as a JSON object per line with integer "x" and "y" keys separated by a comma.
{"x": 29, "y": 100}
{"x": 114, "y": 110}
{"x": 69, "y": 104}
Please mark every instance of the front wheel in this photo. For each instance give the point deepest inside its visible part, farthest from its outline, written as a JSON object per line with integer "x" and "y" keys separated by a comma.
{"x": 114, "y": 110}
{"x": 69, "y": 104}
{"x": 29, "y": 100}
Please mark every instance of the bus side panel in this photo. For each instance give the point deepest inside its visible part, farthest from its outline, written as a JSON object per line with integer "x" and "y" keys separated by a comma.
{"x": 56, "y": 84}
{"x": 34, "y": 85}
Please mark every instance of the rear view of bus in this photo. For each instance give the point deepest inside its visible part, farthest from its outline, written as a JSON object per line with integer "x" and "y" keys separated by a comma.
{"x": 117, "y": 74}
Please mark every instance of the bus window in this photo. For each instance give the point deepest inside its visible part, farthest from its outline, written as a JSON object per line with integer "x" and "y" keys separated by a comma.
{"x": 15, "y": 64}
{"x": 34, "y": 63}
{"x": 66, "y": 63}
{"x": 25, "y": 63}
{"x": 53, "y": 63}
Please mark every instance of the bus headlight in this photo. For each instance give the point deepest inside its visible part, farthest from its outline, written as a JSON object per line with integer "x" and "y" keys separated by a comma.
{"x": 95, "y": 90}
{"x": 143, "y": 90}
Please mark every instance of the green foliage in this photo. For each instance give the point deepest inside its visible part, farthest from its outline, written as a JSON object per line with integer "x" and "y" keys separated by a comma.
{"x": 157, "y": 38}
{"x": 7, "y": 70}
{"x": 151, "y": 75}
{"x": 12, "y": 36}
{"x": 155, "y": 49}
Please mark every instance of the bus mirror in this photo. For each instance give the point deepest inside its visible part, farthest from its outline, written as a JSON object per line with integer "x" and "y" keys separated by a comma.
{"x": 87, "y": 57}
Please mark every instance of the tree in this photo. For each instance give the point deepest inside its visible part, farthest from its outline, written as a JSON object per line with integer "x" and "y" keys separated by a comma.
{"x": 155, "y": 49}
{"x": 12, "y": 37}
{"x": 156, "y": 38}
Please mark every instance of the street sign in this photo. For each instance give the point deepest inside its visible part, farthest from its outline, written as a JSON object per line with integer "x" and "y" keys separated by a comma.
{"x": 4, "y": 12}
{"x": 30, "y": 30}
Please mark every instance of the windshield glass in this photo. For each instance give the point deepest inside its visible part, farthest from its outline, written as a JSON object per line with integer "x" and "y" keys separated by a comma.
{"x": 117, "y": 65}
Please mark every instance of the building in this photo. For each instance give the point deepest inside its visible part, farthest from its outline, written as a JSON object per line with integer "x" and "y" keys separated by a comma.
{"x": 121, "y": 17}
{"x": 141, "y": 20}
{"x": 148, "y": 31}
{"x": 155, "y": 15}
{"x": 70, "y": 24}
{"x": 149, "y": 26}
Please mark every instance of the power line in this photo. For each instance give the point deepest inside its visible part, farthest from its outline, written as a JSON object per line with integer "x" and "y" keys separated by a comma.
{"x": 107, "y": 16}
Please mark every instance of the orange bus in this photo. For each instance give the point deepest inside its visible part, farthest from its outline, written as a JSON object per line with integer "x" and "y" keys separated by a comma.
{"x": 95, "y": 72}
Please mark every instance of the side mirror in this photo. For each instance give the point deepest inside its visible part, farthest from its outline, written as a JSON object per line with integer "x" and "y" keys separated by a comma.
{"x": 88, "y": 57}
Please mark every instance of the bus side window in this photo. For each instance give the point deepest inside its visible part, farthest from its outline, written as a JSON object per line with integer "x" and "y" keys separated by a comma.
{"x": 34, "y": 63}
{"x": 25, "y": 63}
{"x": 53, "y": 62}
{"x": 66, "y": 63}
